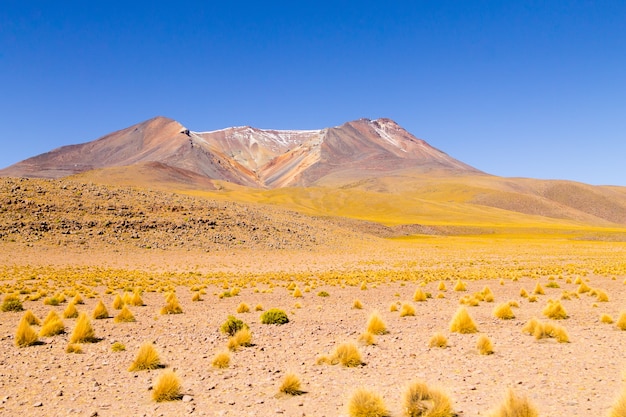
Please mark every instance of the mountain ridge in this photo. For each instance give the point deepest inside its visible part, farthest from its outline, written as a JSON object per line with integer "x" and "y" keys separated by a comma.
{"x": 264, "y": 158}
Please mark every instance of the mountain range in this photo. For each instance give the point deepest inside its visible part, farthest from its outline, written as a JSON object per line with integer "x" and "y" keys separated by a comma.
{"x": 365, "y": 169}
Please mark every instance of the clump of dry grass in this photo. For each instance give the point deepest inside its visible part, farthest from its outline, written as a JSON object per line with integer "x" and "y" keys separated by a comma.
{"x": 462, "y": 322}
{"x": 619, "y": 407}
{"x": 538, "y": 290}
{"x": 125, "y": 316}
{"x": 297, "y": 293}
{"x": 136, "y": 299}
{"x": 460, "y": 286}
{"x": 73, "y": 348}
{"x": 118, "y": 303}
{"x": 118, "y": 347}
{"x": 621, "y": 321}
{"x": 346, "y": 354}
{"x": 52, "y": 325}
{"x": 196, "y": 296}
{"x": 167, "y": 387}
{"x": 541, "y": 330}
{"x": 365, "y": 403}
{"x": 291, "y": 385}
{"x": 100, "y": 311}
{"x": 419, "y": 295}
{"x": 441, "y": 286}
{"x": 221, "y": 360}
{"x": 484, "y": 345}
{"x": 147, "y": 358}
{"x": 70, "y": 311}
{"x": 605, "y": 318}
{"x": 83, "y": 331}
{"x": 515, "y": 406}
{"x": 367, "y": 338}
{"x": 25, "y": 335}
{"x": 407, "y": 310}
{"x": 393, "y": 307}
{"x": 555, "y": 310}
{"x": 243, "y": 337}
{"x": 172, "y": 305}
{"x": 78, "y": 299}
{"x": 30, "y": 318}
{"x": 487, "y": 295}
{"x": 357, "y": 305}
{"x": 503, "y": 311}
{"x": 523, "y": 293}
{"x": 258, "y": 307}
{"x": 243, "y": 308}
{"x": 420, "y": 400}
{"x": 602, "y": 296}
{"x": 376, "y": 324}
{"x": 438, "y": 340}
{"x": 583, "y": 288}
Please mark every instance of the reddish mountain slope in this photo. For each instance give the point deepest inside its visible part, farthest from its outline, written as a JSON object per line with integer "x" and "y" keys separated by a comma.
{"x": 248, "y": 156}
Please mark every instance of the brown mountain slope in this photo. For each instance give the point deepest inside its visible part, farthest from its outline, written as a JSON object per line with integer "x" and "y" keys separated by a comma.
{"x": 248, "y": 156}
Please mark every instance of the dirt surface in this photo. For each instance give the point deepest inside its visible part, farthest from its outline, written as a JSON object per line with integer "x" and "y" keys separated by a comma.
{"x": 580, "y": 378}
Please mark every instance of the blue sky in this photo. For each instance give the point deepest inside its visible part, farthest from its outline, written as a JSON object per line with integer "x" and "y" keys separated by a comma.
{"x": 532, "y": 88}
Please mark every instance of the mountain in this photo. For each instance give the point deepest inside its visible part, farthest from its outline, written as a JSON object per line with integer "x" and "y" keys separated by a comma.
{"x": 246, "y": 155}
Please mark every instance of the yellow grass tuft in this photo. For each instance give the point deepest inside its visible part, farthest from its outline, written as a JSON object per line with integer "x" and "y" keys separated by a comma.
{"x": 538, "y": 290}
{"x": 70, "y": 311}
{"x": 31, "y": 318}
{"x": 602, "y": 296}
{"x": 376, "y": 324}
{"x": 419, "y": 295}
{"x": 514, "y": 406}
{"x": 462, "y": 322}
{"x": 393, "y": 307}
{"x": 487, "y": 295}
{"x": 118, "y": 347}
{"x": 555, "y": 310}
{"x": 118, "y": 303}
{"x": 147, "y": 358}
{"x": 136, "y": 299}
{"x": 541, "y": 330}
{"x": 365, "y": 403}
{"x": 407, "y": 310}
{"x": 258, "y": 307}
{"x": 346, "y": 354}
{"x": 441, "y": 286}
{"x": 357, "y": 305}
{"x": 619, "y": 407}
{"x": 25, "y": 335}
{"x": 367, "y": 338}
{"x": 605, "y": 318}
{"x": 297, "y": 293}
{"x": 243, "y": 337}
{"x": 221, "y": 360}
{"x": 196, "y": 296}
{"x": 78, "y": 299}
{"x": 291, "y": 385}
{"x": 484, "y": 345}
{"x": 621, "y": 321}
{"x": 460, "y": 286}
{"x": 172, "y": 306}
{"x": 503, "y": 311}
{"x": 83, "y": 332}
{"x": 52, "y": 325}
{"x": 125, "y": 316}
{"x": 583, "y": 288}
{"x": 167, "y": 387}
{"x": 523, "y": 293}
{"x": 100, "y": 312}
{"x": 243, "y": 308}
{"x": 420, "y": 400}
{"x": 438, "y": 340}
{"x": 74, "y": 348}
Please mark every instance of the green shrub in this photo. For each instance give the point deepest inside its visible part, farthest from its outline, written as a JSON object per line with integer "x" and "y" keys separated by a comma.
{"x": 232, "y": 325}
{"x": 274, "y": 316}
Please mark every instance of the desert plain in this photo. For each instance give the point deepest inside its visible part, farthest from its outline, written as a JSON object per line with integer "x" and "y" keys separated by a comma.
{"x": 61, "y": 239}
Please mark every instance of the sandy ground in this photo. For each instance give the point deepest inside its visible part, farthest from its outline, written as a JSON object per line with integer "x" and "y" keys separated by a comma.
{"x": 581, "y": 378}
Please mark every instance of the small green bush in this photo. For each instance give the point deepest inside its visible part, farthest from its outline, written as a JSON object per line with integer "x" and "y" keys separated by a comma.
{"x": 274, "y": 316}
{"x": 232, "y": 325}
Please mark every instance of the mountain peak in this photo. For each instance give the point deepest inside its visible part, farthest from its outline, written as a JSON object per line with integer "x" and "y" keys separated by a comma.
{"x": 250, "y": 156}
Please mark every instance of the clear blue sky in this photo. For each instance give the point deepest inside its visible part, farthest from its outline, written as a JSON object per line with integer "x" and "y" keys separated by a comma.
{"x": 532, "y": 88}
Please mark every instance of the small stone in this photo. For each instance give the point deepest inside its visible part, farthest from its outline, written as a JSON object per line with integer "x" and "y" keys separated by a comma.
{"x": 38, "y": 404}
{"x": 187, "y": 398}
